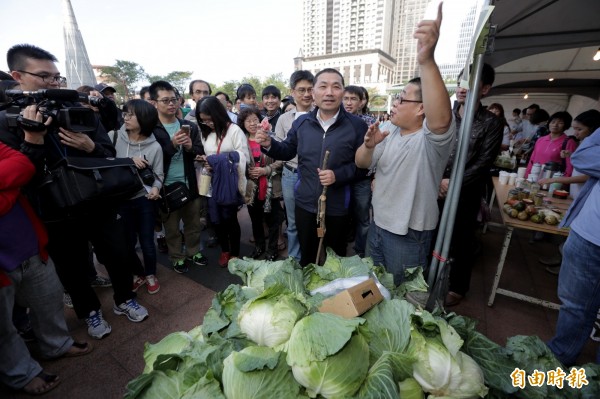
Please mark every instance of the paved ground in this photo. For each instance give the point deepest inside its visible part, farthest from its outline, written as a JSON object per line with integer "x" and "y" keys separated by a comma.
{"x": 183, "y": 300}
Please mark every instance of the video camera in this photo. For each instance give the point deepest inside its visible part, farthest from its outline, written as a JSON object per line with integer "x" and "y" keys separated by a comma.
{"x": 55, "y": 103}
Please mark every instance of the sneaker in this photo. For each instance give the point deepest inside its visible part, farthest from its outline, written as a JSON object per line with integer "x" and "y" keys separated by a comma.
{"x": 152, "y": 284}
{"x": 224, "y": 259}
{"x": 180, "y": 266}
{"x": 199, "y": 260}
{"x": 97, "y": 327}
{"x": 133, "y": 310}
{"x": 67, "y": 300}
{"x": 161, "y": 243}
{"x": 102, "y": 282}
{"x": 137, "y": 283}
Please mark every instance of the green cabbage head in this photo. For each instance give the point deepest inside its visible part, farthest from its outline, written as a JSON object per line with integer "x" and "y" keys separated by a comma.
{"x": 329, "y": 355}
{"x": 442, "y": 373}
{"x": 268, "y": 319}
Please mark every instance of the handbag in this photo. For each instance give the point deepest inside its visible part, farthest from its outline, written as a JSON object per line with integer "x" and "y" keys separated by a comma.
{"x": 85, "y": 181}
{"x": 175, "y": 197}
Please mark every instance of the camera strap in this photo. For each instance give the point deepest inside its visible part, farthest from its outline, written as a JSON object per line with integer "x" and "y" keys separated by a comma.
{"x": 30, "y": 125}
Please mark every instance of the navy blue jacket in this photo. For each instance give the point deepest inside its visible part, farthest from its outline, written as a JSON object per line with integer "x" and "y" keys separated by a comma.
{"x": 309, "y": 141}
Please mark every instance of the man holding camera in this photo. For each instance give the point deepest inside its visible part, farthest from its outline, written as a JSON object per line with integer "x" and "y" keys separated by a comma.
{"x": 46, "y": 143}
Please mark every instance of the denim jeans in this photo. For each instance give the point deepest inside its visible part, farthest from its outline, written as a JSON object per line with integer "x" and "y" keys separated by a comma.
{"x": 361, "y": 206}
{"x": 398, "y": 252}
{"x": 288, "y": 183}
{"x": 34, "y": 285}
{"x": 139, "y": 215}
{"x": 579, "y": 293}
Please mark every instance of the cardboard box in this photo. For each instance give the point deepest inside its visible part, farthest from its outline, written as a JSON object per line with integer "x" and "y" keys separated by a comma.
{"x": 354, "y": 301}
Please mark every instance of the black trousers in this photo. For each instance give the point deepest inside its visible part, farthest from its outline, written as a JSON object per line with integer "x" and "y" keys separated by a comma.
{"x": 335, "y": 237}
{"x": 229, "y": 233}
{"x": 462, "y": 248}
{"x": 68, "y": 246}
{"x": 258, "y": 217}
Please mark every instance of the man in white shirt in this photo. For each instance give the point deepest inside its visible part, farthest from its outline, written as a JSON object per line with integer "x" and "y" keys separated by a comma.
{"x": 409, "y": 163}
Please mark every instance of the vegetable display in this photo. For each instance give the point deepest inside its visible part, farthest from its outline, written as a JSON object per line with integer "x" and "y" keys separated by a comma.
{"x": 267, "y": 339}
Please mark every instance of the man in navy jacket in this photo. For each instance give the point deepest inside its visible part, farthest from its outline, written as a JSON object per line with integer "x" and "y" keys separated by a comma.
{"x": 327, "y": 128}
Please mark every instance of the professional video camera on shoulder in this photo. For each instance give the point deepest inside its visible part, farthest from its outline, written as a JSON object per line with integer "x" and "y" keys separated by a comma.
{"x": 55, "y": 103}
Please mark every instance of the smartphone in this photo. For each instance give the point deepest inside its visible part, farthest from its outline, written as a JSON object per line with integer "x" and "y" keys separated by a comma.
{"x": 185, "y": 129}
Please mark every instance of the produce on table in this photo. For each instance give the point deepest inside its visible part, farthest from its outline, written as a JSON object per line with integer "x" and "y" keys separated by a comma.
{"x": 266, "y": 339}
{"x": 518, "y": 209}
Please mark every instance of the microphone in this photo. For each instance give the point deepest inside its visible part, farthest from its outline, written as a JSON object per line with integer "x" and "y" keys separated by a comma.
{"x": 50, "y": 94}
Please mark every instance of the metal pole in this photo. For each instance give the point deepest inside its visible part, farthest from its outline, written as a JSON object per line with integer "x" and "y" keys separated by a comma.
{"x": 449, "y": 213}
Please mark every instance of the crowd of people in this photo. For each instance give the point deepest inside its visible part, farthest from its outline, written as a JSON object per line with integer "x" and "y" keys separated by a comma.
{"x": 385, "y": 180}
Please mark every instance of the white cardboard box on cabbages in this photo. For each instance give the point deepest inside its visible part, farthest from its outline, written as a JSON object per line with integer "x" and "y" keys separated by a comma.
{"x": 354, "y": 301}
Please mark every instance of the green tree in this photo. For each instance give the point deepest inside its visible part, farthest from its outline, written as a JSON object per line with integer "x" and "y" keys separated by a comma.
{"x": 276, "y": 79}
{"x": 178, "y": 79}
{"x": 124, "y": 75}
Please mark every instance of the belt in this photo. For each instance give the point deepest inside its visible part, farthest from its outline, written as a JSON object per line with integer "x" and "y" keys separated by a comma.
{"x": 291, "y": 169}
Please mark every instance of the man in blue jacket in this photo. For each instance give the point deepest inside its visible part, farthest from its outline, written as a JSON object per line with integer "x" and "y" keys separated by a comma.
{"x": 579, "y": 278}
{"x": 327, "y": 128}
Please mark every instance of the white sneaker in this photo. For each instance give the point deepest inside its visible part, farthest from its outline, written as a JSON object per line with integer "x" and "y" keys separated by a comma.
{"x": 133, "y": 310}
{"x": 97, "y": 327}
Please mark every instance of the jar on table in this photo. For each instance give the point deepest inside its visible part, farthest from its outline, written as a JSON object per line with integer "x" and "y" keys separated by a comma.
{"x": 513, "y": 195}
{"x": 523, "y": 194}
{"x": 538, "y": 200}
{"x": 534, "y": 189}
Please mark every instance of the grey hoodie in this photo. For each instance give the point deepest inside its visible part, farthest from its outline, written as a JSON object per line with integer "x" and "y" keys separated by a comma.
{"x": 149, "y": 147}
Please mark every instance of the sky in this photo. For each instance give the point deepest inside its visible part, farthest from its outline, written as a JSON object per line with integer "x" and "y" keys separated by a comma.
{"x": 216, "y": 40}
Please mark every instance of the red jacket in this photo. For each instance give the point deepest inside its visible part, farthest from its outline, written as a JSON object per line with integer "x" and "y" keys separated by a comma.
{"x": 15, "y": 171}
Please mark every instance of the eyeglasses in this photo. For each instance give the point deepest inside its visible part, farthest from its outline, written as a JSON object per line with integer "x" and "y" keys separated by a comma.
{"x": 203, "y": 92}
{"x": 168, "y": 101}
{"x": 207, "y": 122}
{"x": 404, "y": 100}
{"x": 128, "y": 115}
{"x": 304, "y": 90}
{"x": 48, "y": 78}
{"x": 251, "y": 122}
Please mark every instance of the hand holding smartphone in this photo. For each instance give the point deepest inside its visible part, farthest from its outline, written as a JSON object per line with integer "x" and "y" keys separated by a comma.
{"x": 185, "y": 129}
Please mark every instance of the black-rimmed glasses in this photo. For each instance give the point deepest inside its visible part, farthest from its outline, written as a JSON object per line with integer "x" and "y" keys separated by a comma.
{"x": 404, "y": 100}
{"x": 48, "y": 78}
{"x": 168, "y": 101}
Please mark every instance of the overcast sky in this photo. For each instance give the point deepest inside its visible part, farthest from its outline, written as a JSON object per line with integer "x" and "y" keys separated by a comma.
{"x": 217, "y": 40}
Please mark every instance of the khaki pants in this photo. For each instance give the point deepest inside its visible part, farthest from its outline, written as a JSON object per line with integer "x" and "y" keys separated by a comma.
{"x": 190, "y": 216}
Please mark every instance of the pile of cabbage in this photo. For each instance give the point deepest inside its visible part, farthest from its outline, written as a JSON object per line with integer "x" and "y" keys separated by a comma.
{"x": 267, "y": 339}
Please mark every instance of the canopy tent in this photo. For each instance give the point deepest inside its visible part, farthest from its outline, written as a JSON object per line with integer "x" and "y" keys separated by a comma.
{"x": 539, "y": 40}
{"x": 524, "y": 31}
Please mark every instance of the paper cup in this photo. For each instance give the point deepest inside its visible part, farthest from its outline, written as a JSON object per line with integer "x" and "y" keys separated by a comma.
{"x": 521, "y": 172}
{"x": 503, "y": 178}
{"x": 512, "y": 179}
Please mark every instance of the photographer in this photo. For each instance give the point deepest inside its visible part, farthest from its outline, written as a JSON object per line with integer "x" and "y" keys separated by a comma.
{"x": 69, "y": 232}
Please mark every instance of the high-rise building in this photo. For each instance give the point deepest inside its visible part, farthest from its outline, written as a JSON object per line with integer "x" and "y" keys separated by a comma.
{"x": 407, "y": 15}
{"x": 79, "y": 70}
{"x": 467, "y": 28}
{"x": 369, "y": 41}
{"x": 352, "y": 36}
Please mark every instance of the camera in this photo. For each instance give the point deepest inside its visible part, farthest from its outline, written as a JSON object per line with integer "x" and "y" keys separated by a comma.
{"x": 55, "y": 103}
{"x": 147, "y": 175}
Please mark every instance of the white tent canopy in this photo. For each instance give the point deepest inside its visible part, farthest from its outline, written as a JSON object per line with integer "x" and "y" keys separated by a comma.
{"x": 539, "y": 40}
